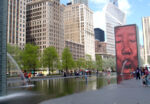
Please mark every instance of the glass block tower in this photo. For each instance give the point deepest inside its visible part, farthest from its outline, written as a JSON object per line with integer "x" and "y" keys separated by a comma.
{"x": 3, "y": 35}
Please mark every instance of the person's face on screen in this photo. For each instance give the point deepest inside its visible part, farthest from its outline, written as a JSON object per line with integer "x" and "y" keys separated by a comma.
{"x": 126, "y": 48}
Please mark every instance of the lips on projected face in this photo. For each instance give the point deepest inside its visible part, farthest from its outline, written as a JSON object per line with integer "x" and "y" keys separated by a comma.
{"x": 128, "y": 65}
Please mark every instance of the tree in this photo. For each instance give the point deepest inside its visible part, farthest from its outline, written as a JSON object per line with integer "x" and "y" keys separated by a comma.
{"x": 15, "y": 52}
{"x": 50, "y": 58}
{"x": 29, "y": 57}
{"x": 89, "y": 62}
{"x": 81, "y": 63}
{"x": 109, "y": 63}
{"x": 99, "y": 62}
{"x": 148, "y": 59}
{"x": 67, "y": 60}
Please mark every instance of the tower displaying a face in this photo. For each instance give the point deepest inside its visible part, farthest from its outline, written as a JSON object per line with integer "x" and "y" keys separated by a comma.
{"x": 126, "y": 49}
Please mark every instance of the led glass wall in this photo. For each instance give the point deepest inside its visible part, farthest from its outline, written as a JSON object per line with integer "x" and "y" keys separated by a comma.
{"x": 126, "y": 50}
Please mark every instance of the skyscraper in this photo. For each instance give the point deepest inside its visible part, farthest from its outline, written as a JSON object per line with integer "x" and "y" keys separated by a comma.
{"x": 115, "y": 2}
{"x": 45, "y": 24}
{"x": 114, "y": 17}
{"x": 3, "y": 53}
{"x": 99, "y": 34}
{"x": 16, "y": 34}
{"x": 78, "y": 27}
{"x": 80, "y": 2}
{"x": 146, "y": 33}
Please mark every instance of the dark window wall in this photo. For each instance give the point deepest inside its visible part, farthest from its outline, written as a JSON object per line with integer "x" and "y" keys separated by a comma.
{"x": 99, "y": 34}
{"x": 3, "y": 33}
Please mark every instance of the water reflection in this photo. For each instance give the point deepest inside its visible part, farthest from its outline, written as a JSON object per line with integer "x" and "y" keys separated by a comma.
{"x": 49, "y": 89}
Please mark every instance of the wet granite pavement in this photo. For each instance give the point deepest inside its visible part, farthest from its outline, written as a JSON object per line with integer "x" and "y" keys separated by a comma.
{"x": 128, "y": 92}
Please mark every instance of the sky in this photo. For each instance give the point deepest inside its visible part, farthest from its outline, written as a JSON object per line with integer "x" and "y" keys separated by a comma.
{"x": 134, "y": 9}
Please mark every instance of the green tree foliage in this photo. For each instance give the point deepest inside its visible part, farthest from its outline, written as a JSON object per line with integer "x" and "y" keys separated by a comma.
{"x": 148, "y": 59}
{"x": 81, "y": 63}
{"x": 29, "y": 57}
{"x": 99, "y": 62}
{"x": 15, "y": 52}
{"x": 89, "y": 62}
{"x": 50, "y": 58}
{"x": 67, "y": 60}
{"x": 109, "y": 63}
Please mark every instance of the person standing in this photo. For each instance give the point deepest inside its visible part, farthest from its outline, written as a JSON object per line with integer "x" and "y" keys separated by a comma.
{"x": 138, "y": 74}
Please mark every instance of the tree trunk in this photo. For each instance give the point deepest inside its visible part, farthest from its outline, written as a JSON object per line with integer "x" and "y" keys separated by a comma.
{"x": 66, "y": 70}
{"x": 52, "y": 70}
{"x": 49, "y": 71}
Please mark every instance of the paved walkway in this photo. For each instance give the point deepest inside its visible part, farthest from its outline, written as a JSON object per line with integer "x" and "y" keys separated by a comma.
{"x": 128, "y": 92}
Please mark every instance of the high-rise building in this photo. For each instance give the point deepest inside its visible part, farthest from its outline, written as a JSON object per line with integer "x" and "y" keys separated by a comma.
{"x": 76, "y": 49}
{"x": 80, "y": 2}
{"x": 45, "y": 24}
{"x": 100, "y": 47}
{"x": 99, "y": 34}
{"x": 3, "y": 43}
{"x": 113, "y": 17}
{"x": 115, "y": 2}
{"x": 78, "y": 27}
{"x": 16, "y": 34}
{"x": 146, "y": 33}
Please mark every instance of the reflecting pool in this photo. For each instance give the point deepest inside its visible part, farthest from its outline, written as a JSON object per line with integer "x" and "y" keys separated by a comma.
{"x": 50, "y": 89}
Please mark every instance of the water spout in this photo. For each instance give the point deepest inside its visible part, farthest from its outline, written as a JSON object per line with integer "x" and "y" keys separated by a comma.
{"x": 123, "y": 68}
{"x": 18, "y": 68}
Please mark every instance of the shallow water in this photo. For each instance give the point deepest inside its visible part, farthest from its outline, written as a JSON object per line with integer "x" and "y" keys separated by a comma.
{"x": 50, "y": 89}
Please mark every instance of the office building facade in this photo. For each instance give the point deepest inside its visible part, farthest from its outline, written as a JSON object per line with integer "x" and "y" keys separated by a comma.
{"x": 16, "y": 34}
{"x": 76, "y": 49}
{"x": 78, "y": 27}
{"x": 3, "y": 43}
{"x": 146, "y": 35}
{"x": 80, "y": 2}
{"x": 100, "y": 47}
{"x": 99, "y": 34}
{"x": 45, "y": 24}
{"x": 113, "y": 17}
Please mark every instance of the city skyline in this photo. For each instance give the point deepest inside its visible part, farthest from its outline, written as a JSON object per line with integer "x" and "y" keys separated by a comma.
{"x": 135, "y": 11}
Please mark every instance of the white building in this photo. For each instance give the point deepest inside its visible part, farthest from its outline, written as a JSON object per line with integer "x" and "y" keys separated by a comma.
{"x": 80, "y": 2}
{"x": 16, "y": 27}
{"x": 113, "y": 17}
{"x": 78, "y": 27}
{"x": 146, "y": 33}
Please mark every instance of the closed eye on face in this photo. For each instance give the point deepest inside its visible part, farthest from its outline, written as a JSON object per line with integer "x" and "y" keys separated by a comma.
{"x": 132, "y": 38}
{"x": 118, "y": 38}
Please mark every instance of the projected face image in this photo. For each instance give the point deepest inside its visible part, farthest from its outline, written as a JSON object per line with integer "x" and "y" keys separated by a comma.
{"x": 126, "y": 49}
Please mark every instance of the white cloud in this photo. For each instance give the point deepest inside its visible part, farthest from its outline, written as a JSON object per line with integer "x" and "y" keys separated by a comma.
{"x": 99, "y": 19}
{"x": 125, "y": 6}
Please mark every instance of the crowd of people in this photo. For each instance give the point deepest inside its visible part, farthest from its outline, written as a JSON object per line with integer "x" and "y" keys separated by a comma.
{"x": 27, "y": 75}
{"x": 77, "y": 73}
{"x": 144, "y": 74}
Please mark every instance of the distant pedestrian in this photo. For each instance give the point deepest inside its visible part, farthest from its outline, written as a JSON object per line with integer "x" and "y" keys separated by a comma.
{"x": 138, "y": 74}
{"x": 25, "y": 74}
{"x": 65, "y": 74}
{"x": 29, "y": 76}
